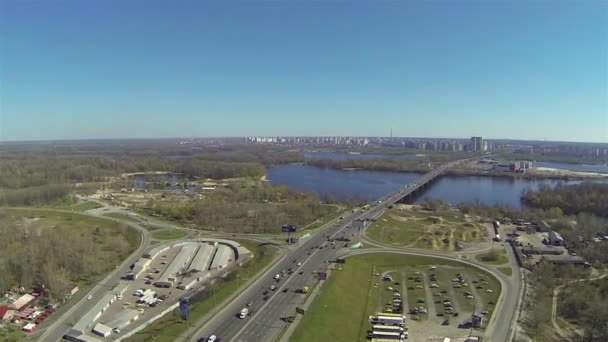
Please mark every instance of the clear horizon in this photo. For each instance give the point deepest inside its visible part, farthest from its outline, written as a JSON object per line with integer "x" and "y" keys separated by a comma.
{"x": 516, "y": 70}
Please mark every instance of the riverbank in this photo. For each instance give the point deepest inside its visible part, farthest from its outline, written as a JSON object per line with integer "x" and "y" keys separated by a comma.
{"x": 536, "y": 174}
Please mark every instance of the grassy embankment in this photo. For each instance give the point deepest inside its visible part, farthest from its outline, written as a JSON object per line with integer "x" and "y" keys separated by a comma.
{"x": 171, "y": 326}
{"x": 429, "y": 230}
{"x": 496, "y": 256}
{"x": 169, "y": 234}
{"x": 506, "y": 270}
{"x": 84, "y": 206}
{"x": 352, "y": 294}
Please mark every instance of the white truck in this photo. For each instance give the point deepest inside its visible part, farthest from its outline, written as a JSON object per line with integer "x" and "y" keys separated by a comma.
{"x": 243, "y": 313}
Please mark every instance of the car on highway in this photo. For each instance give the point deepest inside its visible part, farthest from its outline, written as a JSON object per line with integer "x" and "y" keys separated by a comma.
{"x": 277, "y": 276}
{"x": 272, "y": 287}
{"x": 213, "y": 338}
{"x": 89, "y": 296}
{"x": 299, "y": 264}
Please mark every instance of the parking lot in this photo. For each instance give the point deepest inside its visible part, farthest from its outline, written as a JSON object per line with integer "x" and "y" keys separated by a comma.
{"x": 436, "y": 298}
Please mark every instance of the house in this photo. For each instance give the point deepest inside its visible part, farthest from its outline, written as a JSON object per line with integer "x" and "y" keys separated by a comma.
{"x": 555, "y": 239}
{"x": 6, "y": 314}
{"x": 72, "y": 289}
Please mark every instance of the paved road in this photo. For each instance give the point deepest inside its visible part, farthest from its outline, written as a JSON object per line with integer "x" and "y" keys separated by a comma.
{"x": 266, "y": 321}
{"x": 498, "y": 329}
{"x": 63, "y": 324}
{"x": 511, "y": 295}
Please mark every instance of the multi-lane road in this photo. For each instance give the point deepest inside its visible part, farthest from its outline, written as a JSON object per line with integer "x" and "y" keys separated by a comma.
{"x": 315, "y": 254}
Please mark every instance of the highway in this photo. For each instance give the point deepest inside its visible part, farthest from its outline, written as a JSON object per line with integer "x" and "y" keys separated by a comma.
{"x": 267, "y": 318}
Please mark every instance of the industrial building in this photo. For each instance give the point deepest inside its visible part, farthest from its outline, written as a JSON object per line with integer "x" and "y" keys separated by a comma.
{"x": 124, "y": 318}
{"x": 176, "y": 266}
{"x": 555, "y": 239}
{"x": 202, "y": 259}
{"x": 564, "y": 260}
{"x": 222, "y": 257}
{"x": 102, "y": 330}
{"x": 139, "y": 268}
{"x": 542, "y": 250}
{"x": 86, "y": 322}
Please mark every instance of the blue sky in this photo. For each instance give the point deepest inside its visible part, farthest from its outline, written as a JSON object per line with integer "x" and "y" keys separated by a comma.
{"x": 501, "y": 69}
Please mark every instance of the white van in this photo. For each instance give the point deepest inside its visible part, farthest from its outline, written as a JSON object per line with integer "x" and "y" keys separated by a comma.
{"x": 243, "y": 313}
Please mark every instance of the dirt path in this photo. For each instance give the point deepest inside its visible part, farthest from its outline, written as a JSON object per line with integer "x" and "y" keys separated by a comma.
{"x": 556, "y": 292}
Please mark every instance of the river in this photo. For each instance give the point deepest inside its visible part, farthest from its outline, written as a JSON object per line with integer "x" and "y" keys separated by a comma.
{"x": 370, "y": 185}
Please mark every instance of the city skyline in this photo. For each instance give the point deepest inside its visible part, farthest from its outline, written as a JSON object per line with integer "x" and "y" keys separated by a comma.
{"x": 511, "y": 70}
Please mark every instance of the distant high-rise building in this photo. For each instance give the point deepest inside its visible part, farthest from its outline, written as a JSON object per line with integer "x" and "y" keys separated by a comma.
{"x": 476, "y": 144}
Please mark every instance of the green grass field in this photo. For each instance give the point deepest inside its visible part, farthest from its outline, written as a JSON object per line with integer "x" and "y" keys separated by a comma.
{"x": 11, "y": 334}
{"x": 111, "y": 242}
{"x": 122, "y": 217}
{"x": 80, "y": 206}
{"x": 428, "y": 230}
{"x": 497, "y": 256}
{"x": 506, "y": 270}
{"x": 349, "y": 296}
{"x": 169, "y": 234}
{"x": 171, "y": 326}
{"x": 324, "y": 220}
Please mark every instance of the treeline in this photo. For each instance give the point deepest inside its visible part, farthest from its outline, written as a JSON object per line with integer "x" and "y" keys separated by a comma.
{"x": 589, "y": 197}
{"x": 586, "y": 304}
{"x": 220, "y": 169}
{"x": 35, "y": 195}
{"x": 539, "y": 298}
{"x": 34, "y": 251}
{"x": 38, "y": 174}
{"x": 246, "y": 209}
{"x": 396, "y": 165}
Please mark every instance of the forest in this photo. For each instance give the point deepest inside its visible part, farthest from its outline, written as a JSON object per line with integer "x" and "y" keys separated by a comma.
{"x": 52, "y": 249}
{"x": 259, "y": 208}
{"x": 591, "y": 197}
{"x": 38, "y": 174}
{"x": 586, "y": 304}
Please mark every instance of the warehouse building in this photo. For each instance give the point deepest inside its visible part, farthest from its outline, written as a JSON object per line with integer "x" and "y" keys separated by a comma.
{"x": 555, "y": 239}
{"x": 222, "y": 257}
{"x": 102, "y": 330}
{"x": 542, "y": 250}
{"x": 123, "y": 319}
{"x": 178, "y": 263}
{"x": 202, "y": 259}
{"x": 152, "y": 254}
{"x": 86, "y": 322}
{"x": 139, "y": 268}
{"x": 565, "y": 260}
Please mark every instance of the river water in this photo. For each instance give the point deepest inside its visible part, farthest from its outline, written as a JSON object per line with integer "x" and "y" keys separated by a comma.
{"x": 370, "y": 185}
